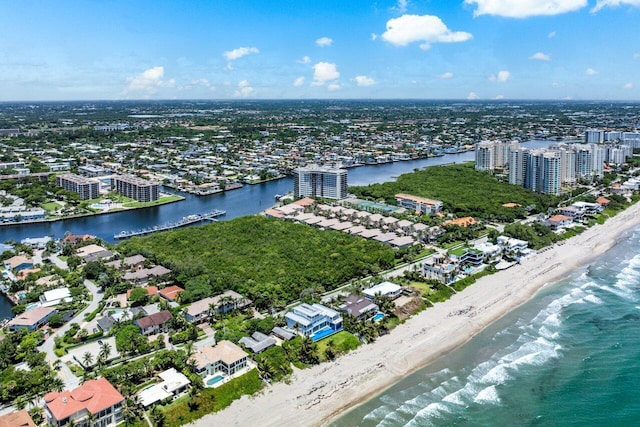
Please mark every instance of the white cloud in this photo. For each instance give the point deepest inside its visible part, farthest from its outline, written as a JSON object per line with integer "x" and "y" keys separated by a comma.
{"x": 591, "y": 72}
{"x": 374, "y": 36}
{"x": 324, "y": 72}
{"x": 556, "y": 84}
{"x": 421, "y": 28}
{"x": 305, "y": 60}
{"x": 244, "y": 89}
{"x": 298, "y": 82}
{"x": 628, "y": 86}
{"x": 540, "y": 56}
{"x": 201, "y": 82}
{"x": 472, "y": 96}
{"x": 501, "y": 77}
{"x": 447, "y": 75}
{"x": 552, "y": 34}
{"x": 600, "y": 4}
{"x": 364, "y": 81}
{"x": 333, "y": 86}
{"x": 238, "y": 53}
{"x": 402, "y": 6}
{"x": 499, "y": 97}
{"x": 524, "y": 8}
{"x": 148, "y": 81}
{"x": 636, "y": 56}
{"x": 324, "y": 41}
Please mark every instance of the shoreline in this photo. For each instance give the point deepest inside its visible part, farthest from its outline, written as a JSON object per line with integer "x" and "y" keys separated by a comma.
{"x": 88, "y": 215}
{"x": 321, "y": 394}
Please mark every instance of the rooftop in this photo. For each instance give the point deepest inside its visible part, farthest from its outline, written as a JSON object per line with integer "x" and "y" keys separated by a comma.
{"x": 93, "y": 396}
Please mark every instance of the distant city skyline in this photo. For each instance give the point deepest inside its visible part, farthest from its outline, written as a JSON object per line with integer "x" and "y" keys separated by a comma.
{"x": 458, "y": 49}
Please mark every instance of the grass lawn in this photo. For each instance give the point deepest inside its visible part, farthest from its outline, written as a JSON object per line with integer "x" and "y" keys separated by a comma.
{"x": 343, "y": 342}
{"x": 452, "y": 244}
{"x": 160, "y": 201}
{"x": 51, "y": 206}
{"x": 211, "y": 400}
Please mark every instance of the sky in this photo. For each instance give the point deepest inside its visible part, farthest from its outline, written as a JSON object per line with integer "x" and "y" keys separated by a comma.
{"x": 320, "y": 49}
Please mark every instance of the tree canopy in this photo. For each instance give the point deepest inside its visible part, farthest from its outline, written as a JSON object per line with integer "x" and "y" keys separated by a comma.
{"x": 463, "y": 190}
{"x": 269, "y": 260}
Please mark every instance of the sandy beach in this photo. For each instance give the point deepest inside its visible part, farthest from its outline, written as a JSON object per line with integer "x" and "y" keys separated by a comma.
{"x": 317, "y": 395}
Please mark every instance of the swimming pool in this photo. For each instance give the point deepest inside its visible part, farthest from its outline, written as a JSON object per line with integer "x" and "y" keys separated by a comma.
{"x": 215, "y": 380}
{"x": 322, "y": 333}
{"x": 378, "y": 206}
{"x": 378, "y": 317}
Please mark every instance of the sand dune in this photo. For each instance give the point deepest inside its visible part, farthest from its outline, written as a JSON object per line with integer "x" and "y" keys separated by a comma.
{"x": 316, "y": 395}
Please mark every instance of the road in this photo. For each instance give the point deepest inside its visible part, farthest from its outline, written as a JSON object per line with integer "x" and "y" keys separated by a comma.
{"x": 48, "y": 347}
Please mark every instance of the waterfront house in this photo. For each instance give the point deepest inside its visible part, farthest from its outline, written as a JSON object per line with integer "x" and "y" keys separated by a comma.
{"x": 154, "y": 323}
{"x": 558, "y": 221}
{"x": 173, "y": 384}
{"x": 37, "y": 242}
{"x": 31, "y": 319}
{"x": 359, "y": 307}
{"x": 467, "y": 256}
{"x": 96, "y": 399}
{"x": 225, "y": 357}
{"x": 258, "y": 342}
{"x": 308, "y": 319}
{"x": 387, "y": 289}
{"x": 440, "y": 268}
{"x": 17, "y": 263}
{"x": 93, "y": 253}
{"x": 283, "y": 333}
{"x": 513, "y": 246}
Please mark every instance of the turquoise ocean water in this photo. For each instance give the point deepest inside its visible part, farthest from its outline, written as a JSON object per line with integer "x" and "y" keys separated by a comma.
{"x": 569, "y": 357}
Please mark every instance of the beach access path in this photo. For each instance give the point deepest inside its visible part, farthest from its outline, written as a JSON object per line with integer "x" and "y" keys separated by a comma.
{"x": 321, "y": 393}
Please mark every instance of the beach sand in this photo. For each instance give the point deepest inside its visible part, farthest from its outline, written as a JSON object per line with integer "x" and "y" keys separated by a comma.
{"x": 319, "y": 394}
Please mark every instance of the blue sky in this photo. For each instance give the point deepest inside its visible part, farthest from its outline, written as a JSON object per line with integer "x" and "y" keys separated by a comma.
{"x": 301, "y": 49}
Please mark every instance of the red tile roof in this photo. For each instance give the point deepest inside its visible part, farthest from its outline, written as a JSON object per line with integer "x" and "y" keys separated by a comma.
{"x": 17, "y": 419}
{"x": 171, "y": 292}
{"x": 603, "y": 201}
{"x": 93, "y": 396}
{"x": 151, "y": 291}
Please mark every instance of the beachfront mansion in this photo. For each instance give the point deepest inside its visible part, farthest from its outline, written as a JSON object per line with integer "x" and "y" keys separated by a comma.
{"x": 548, "y": 170}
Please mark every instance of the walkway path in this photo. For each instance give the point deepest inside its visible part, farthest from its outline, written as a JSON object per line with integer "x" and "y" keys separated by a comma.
{"x": 48, "y": 347}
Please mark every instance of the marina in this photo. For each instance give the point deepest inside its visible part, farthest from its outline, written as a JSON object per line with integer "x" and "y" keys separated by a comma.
{"x": 187, "y": 220}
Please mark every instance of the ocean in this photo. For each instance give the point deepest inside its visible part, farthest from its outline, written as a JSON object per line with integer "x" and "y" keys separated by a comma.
{"x": 568, "y": 357}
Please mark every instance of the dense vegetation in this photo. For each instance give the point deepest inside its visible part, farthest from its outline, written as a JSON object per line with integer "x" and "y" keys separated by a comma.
{"x": 270, "y": 261}
{"x": 463, "y": 191}
{"x": 20, "y": 386}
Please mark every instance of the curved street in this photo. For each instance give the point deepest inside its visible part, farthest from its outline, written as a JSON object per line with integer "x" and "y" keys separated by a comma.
{"x": 48, "y": 347}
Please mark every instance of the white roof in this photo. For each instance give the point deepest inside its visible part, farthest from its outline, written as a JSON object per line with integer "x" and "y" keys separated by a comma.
{"x": 172, "y": 381}
{"x": 56, "y": 294}
{"x": 384, "y": 288}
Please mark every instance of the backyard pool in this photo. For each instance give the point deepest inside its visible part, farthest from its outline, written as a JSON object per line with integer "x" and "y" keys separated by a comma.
{"x": 215, "y": 380}
{"x": 378, "y": 317}
{"x": 322, "y": 333}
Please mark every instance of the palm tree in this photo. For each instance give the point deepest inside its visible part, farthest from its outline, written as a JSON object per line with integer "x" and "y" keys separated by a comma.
{"x": 105, "y": 352}
{"x": 87, "y": 360}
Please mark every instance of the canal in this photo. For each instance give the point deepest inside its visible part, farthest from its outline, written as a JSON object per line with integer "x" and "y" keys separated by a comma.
{"x": 248, "y": 200}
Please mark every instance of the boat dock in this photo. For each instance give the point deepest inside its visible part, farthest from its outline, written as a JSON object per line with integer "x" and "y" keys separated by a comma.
{"x": 187, "y": 220}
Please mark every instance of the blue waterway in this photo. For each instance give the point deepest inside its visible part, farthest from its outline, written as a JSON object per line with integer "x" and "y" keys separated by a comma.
{"x": 569, "y": 357}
